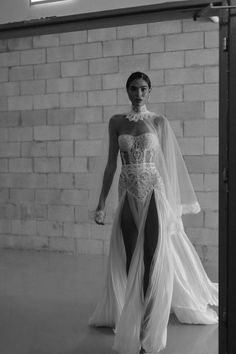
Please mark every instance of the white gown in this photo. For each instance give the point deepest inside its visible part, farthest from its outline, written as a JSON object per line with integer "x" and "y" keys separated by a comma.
{"x": 177, "y": 283}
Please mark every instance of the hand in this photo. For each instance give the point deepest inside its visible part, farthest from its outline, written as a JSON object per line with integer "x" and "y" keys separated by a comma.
{"x": 99, "y": 217}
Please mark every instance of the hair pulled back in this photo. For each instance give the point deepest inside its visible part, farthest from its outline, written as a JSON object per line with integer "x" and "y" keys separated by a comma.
{"x": 138, "y": 75}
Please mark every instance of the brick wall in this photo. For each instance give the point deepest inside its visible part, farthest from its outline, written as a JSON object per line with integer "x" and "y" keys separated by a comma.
{"x": 57, "y": 93}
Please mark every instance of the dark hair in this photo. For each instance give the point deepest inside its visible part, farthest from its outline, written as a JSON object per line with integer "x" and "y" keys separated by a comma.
{"x": 138, "y": 75}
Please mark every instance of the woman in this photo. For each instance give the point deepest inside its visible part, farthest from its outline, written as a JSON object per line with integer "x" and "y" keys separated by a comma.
{"x": 152, "y": 267}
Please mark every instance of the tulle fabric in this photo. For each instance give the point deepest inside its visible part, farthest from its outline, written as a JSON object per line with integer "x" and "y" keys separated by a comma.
{"x": 177, "y": 282}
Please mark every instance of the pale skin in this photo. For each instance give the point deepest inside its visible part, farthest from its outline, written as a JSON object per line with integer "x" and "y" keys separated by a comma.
{"x": 138, "y": 93}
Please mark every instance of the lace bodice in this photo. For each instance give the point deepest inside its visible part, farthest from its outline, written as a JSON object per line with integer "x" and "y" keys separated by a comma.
{"x": 139, "y": 175}
{"x": 138, "y": 149}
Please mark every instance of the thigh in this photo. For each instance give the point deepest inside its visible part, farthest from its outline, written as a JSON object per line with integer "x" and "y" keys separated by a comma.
{"x": 151, "y": 231}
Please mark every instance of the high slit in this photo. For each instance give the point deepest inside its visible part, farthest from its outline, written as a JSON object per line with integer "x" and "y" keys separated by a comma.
{"x": 177, "y": 280}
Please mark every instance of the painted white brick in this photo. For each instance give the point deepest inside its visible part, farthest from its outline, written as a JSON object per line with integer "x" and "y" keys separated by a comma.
{"x": 183, "y": 76}
{"x": 22, "y": 195}
{"x": 82, "y": 215}
{"x": 62, "y": 116}
{"x": 201, "y": 92}
{"x": 201, "y": 57}
{"x": 4, "y": 134}
{"x": 193, "y": 220}
{"x": 9, "y": 89}
{"x": 86, "y": 246}
{"x": 76, "y": 68}
{"x": 33, "y": 56}
{"x": 20, "y": 134}
{"x": 9, "y": 119}
{"x": 88, "y": 115}
{"x": 101, "y": 98}
{"x": 212, "y": 109}
{"x": 132, "y": 31}
{"x": 88, "y": 83}
{"x": 46, "y": 40}
{"x": 202, "y": 164}
{"x": 88, "y": 50}
{"x": 22, "y": 227}
{"x": 73, "y": 37}
{"x": 203, "y": 236}
{"x": 60, "y": 148}
{"x": 167, "y": 60}
{"x": 60, "y": 213}
{"x": 191, "y": 146}
{"x": 20, "y": 103}
{"x": 76, "y": 99}
{"x": 48, "y": 196}
{"x": 101, "y": 34}
{"x": 9, "y": 149}
{"x": 46, "y": 101}
{"x": 46, "y": 133}
{"x": 88, "y": 148}
{"x": 166, "y": 94}
{"x": 149, "y": 45}
{"x": 49, "y": 228}
{"x": 3, "y": 104}
{"x": 33, "y": 87}
{"x": 76, "y": 230}
{"x": 46, "y": 71}
{"x": 184, "y": 41}
{"x": 27, "y": 180}
{"x": 211, "y": 74}
{"x": 100, "y": 233}
{"x": 103, "y": 66}
{"x": 211, "y": 219}
{"x": 19, "y": 43}
{"x": 62, "y": 244}
{"x": 32, "y": 149}
{"x": 60, "y": 85}
{"x": 212, "y": 39}
{"x": 114, "y": 81}
{"x": 164, "y": 27}
{"x": 132, "y": 63}
{"x": 74, "y": 197}
{"x": 211, "y": 182}
{"x": 58, "y": 54}
{"x": 83, "y": 180}
{"x": 211, "y": 146}
{"x": 117, "y": 47}
{"x": 60, "y": 181}
{"x": 203, "y": 24}
{"x": 20, "y": 165}
{"x": 17, "y": 73}
{"x": 208, "y": 200}
{"x": 96, "y": 131}
{"x": 45, "y": 165}
{"x": 32, "y": 118}
{"x": 197, "y": 181}
{"x": 201, "y": 127}
{"x": 3, "y": 74}
{"x": 9, "y": 59}
{"x": 73, "y": 165}
{"x": 74, "y": 132}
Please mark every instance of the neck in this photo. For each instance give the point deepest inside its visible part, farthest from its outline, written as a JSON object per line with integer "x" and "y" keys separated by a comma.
{"x": 139, "y": 109}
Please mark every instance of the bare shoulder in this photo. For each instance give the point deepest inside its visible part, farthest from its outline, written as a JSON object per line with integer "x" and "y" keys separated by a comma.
{"x": 116, "y": 121}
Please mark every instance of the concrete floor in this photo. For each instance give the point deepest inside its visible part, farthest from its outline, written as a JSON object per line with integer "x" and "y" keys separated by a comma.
{"x": 46, "y": 299}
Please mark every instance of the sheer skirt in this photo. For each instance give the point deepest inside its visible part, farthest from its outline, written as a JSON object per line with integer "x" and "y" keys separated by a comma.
{"x": 177, "y": 279}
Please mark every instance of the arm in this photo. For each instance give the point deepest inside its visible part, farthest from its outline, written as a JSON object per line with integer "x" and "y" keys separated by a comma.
{"x": 111, "y": 164}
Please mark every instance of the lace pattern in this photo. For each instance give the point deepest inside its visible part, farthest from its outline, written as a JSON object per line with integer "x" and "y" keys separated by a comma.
{"x": 139, "y": 175}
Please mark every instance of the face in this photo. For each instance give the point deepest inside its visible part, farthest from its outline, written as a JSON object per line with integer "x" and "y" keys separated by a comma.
{"x": 138, "y": 92}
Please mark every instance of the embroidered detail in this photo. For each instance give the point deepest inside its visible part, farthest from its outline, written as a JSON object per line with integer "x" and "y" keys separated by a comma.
{"x": 134, "y": 116}
{"x": 139, "y": 175}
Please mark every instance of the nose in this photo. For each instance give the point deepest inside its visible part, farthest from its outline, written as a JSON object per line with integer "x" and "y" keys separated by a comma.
{"x": 139, "y": 93}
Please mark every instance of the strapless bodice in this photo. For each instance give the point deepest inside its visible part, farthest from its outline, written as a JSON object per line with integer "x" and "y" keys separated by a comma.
{"x": 139, "y": 175}
{"x": 138, "y": 149}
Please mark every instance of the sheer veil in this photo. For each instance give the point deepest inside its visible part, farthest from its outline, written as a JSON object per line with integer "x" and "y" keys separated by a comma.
{"x": 169, "y": 162}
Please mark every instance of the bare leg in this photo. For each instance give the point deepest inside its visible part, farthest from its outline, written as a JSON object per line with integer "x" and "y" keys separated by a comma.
{"x": 150, "y": 243}
{"x": 150, "y": 240}
{"x": 129, "y": 231}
